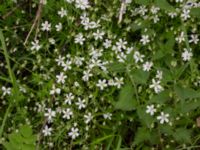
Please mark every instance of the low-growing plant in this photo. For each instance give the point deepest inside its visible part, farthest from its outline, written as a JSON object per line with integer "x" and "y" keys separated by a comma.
{"x": 100, "y": 74}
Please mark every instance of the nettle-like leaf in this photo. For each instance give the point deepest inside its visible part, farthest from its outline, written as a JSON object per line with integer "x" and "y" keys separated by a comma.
{"x": 22, "y": 140}
{"x": 140, "y": 76}
{"x": 163, "y": 4}
{"x": 182, "y": 135}
{"x": 186, "y": 93}
{"x": 142, "y": 135}
{"x": 126, "y": 101}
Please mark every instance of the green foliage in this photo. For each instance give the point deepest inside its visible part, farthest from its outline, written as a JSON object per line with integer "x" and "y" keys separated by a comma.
{"x": 22, "y": 140}
{"x": 140, "y": 76}
{"x": 126, "y": 100}
{"x": 163, "y": 4}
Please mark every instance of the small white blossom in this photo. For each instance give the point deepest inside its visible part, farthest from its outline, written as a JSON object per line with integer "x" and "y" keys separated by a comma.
{"x": 6, "y": 91}
{"x": 67, "y": 113}
{"x": 79, "y": 39}
{"x": 187, "y": 55}
{"x": 150, "y": 110}
{"x": 58, "y": 26}
{"x": 62, "y": 12}
{"x": 61, "y": 78}
{"x": 107, "y": 116}
{"x": 88, "y": 117}
{"x": 147, "y": 66}
{"x": 156, "y": 86}
{"x": 68, "y": 98}
{"x": 74, "y": 133}
{"x": 35, "y": 45}
{"x": 81, "y": 103}
{"x": 163, "y": 118}
{"x": 145, "y": 39}
{"x": 55, "y": 90}
{"x": 46, "y": 26}
{"x": 138, "y": 57}
{"x": 82, "y": 4}
{"x": 102, "y": 84}
{"x": 47, "y": 131}
{"x": 50, "y": 114}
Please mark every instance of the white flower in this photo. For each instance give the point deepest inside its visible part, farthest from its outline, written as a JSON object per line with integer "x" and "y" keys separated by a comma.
{"x": 102, "y": 84}
{"x": 74, "y": 133}
{"x": 50, "y": 114}
{"x": 194, "y": 39}
{"x": 55, "y": 90}
{"x": 86, "y": 75}
{"x": 79, "y": 39}
{"x": 98, "y": 35}
{"x": 79, "y": 60}
{"x": 82, "y": 4}
{"x": 186, "y": 14}
{"x": 58, "y": 27}
{"x": 47, "y": 131}
{"x": 88, "y": 118}
{"x": 61, "y": 78}
{"x": 46, "y": 26}
{"x": 52, "y": 41}
{"x": 147, "y": 66}
{"x": 145, "y": 39}
{"x": 163, "y": 118}
{"x": 150, "y": 110}
{"x": 67, "y": 113}
{"x": 62, "y": 12}
{"x": 119, "y": 82}
{"x": 121, "y": 44}
{"x": 107, "y": 43}
{"x": 180, "y": 38}
{"x": 60, "y": 60}
{"x": 187, "y": 55}
{"x": 138, "y": 57}
{"x": 35, "y": 45}
{"x": 69, "y": 98}
{"x": 80, "y": 103}
{"x": 67, "y": 65}
{"x": 6, "y": 91}
{"x": 159, "y": 74}
{"x": 156, "y": 86}
{"x": 107, "y": 116}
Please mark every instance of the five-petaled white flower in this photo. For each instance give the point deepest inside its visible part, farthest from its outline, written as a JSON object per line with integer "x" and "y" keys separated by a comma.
{"x": 50, "y": 114}
{"x": 145, "y": 39}
{"x": 102, "y": 84}
{"x": 187, "y": 55}
{"x": 67, "y": 113}
{"x": 156, "y": 86}
{"x": 74, "y": 133}
{"x": 61, "y": 78}
{"x": 47, "y": 131}
{"x": 150, "y": 110}
{"x": 163, "y": 118}
{"x": 46, "y": 26}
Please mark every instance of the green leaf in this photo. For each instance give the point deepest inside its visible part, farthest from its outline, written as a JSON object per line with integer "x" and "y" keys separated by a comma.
{"x": 10, "y": 146}
{"x": 145, "y": 118}
{"x": 182, "y": 135}
{"x": 26, "y": 131}
{"x": 142, "y": 135}
{"x": 140, "y": 76}
{"x": 126, "y": 100}
{"x": 117, "y": 67}
{"x": 142, "y": 2}
{"x": 161, "y": 98}
{"x": 185, "y": 93}
{"x": 195, "y": 12}
{"x": 163, "y": 4}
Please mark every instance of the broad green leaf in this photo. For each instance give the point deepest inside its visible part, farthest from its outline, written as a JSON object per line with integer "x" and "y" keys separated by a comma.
{"x": 26, "y": 131}
{"x": 145, "y": 118}
{"x": 182, "y": 135}
{"x": 142, "y": 2}
{"x": 140, "y": 76}
{"x": 163, "y": 4}
{"x": 10, "y": 146}
{"x": 117, "y": 67}
{"x": 15, "y": 138}
{"x": 161, "y": 97}
{"x": 142, "y": 135}
{"x": 185, "y": 93}
{"x": 126, "y": 100}
{"x": 195, "y": 12}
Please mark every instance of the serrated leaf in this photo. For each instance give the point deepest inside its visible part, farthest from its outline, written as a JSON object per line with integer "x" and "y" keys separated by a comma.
{"x": 141, "y": 136}
{"x": 185, "y": 93}
{"x": 140, "y": 76}
{"x": 182, "y": 135}
{"x": 163, "y": 4}
{"x": 126, "y": 100}
{"x": 26, "y": 131}
{"x": 117, "y": 67}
